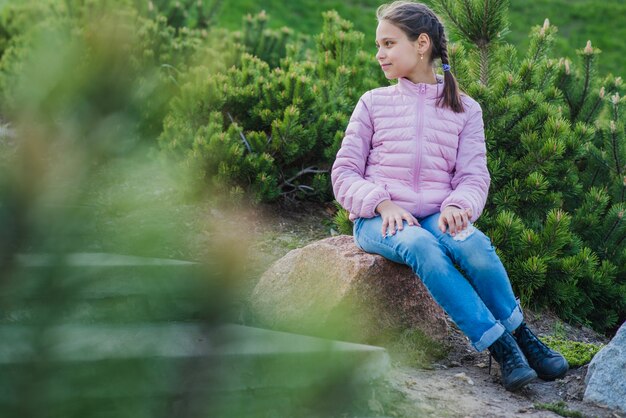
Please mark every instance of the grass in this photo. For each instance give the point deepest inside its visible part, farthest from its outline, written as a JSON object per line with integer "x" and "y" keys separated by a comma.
{"x": 560, "y": 408}
{"x": 604, "y": 23}
{"x": 411, "y": 347}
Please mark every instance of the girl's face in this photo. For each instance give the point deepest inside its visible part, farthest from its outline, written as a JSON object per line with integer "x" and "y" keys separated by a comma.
{"x": 398, "y": 56}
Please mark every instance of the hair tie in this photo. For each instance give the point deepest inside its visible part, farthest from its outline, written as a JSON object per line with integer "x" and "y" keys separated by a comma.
{"x": 446, "y": 67}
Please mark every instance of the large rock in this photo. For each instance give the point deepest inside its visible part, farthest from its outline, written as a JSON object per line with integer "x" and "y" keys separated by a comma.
{"x": 333, "y": 289}
{"x": 606, "y": 376}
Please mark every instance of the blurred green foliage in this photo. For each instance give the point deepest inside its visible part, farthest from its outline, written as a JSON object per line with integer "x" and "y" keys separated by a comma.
{"x": 183, "y": 13}
{"x": 86, "y": 330}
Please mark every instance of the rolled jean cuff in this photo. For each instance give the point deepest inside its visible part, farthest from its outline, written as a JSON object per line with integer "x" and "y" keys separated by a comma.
{"x": 515, "y": 319}
{"x": 489, "y": 337}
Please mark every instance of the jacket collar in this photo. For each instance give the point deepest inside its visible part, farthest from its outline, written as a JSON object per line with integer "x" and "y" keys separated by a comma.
{"x": 428, "y": 90}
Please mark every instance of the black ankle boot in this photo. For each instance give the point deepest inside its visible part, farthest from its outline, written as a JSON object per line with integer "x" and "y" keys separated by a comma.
{"x": 548, "y": 364}
{"x": 513, "y": 365}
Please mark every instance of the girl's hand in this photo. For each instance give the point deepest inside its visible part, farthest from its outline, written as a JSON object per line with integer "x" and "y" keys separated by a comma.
{"x": 393, "y": 216}
{"x": 455, "y": 218}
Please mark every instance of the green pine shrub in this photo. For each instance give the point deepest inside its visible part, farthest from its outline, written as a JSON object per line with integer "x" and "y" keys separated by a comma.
{"x": 282, "y": 124}
{"x": 542, "y": 116}
{"x": 598, "y": 213}
{"x": 266, "y": 44}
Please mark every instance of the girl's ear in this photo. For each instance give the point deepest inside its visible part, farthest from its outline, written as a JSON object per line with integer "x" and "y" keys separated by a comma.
{"x": 422, "y": 43}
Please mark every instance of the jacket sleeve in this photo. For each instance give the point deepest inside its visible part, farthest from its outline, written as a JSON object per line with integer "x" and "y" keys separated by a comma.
{"x": 471, "y": 179}
{"x": 352, "y": 191}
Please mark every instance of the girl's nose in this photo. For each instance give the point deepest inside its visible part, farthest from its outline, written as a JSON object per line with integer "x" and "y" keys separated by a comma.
{"x": 379, "y": 55}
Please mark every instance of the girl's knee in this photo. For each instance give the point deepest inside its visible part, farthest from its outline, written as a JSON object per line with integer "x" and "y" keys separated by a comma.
{"x": 478, "y": 240}
{"x": 417, "y": 240}
{"x": 477, "y": 251}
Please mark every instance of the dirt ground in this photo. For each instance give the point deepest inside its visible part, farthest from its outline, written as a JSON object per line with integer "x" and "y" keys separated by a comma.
{"x": 459, "y": 385}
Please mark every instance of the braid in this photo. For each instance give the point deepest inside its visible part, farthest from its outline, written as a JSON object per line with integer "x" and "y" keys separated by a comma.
{"x": 450, "y": 91}
{"x": 443, "y": 45}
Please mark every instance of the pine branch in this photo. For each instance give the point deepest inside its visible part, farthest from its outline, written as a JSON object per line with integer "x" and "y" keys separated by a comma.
{"x": 505, "y": 92}
{"x": 604, "y": 163}
{"x": 243, "y": 137}
{"x": 617, "y": 221}
{"x": 611, "y": 230}
{"x": 486, "y": 8}
{"x": 540, "y": 123}
{"x": 445, "y": 5}
{"x": 615, "y": 156}
{"x": 538, "y": 49}
{"x": 593, "y": 110}
{"x": 518, "y": 119}
{"x": 290, "y": 194}
{"x": 301, "y": 187}
{"x": 484, "y": 65}
{"x": 542, "y": 83}
{"x": 308, "y": 170}
{"x": 562, "y": 87}
{"x": 468, "y": 10}
{"x": 595, "y": 175}
{"x": 618, "y": 243}
{"x": 586, "y": 84}
{"x": 569, "y": 104}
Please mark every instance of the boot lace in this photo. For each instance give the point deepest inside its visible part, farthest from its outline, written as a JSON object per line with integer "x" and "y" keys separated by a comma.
{"x": 505, "y": 354}
{"x": 536, "y": 349}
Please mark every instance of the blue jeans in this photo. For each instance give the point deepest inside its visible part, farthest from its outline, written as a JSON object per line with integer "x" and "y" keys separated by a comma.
{"x": 483, "y": 305}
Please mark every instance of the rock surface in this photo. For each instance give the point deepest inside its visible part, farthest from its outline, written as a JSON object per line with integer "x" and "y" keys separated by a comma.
{"x": 333, "y": 289}
{"x": 606, "y": 377}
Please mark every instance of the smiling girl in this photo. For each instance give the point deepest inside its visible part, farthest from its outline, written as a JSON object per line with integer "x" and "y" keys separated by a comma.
{"x": 412, "y": 171}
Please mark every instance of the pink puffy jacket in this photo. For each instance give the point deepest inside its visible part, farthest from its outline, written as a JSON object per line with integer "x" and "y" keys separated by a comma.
{"x": 400, "y": 146}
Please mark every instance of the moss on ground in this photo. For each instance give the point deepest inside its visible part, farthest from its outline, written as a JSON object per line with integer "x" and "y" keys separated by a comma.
{"x": 576, "y": 353}
{"x": 560, "y": 408}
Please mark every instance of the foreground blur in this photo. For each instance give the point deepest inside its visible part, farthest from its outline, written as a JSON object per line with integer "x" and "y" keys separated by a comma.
{"x": 99, "y": 314}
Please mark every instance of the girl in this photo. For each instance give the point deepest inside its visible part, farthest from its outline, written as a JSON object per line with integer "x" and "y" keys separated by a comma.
{"x": 412, "y": 172}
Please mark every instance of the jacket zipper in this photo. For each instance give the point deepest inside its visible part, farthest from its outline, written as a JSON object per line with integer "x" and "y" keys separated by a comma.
{"x": 419, "y": 148}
